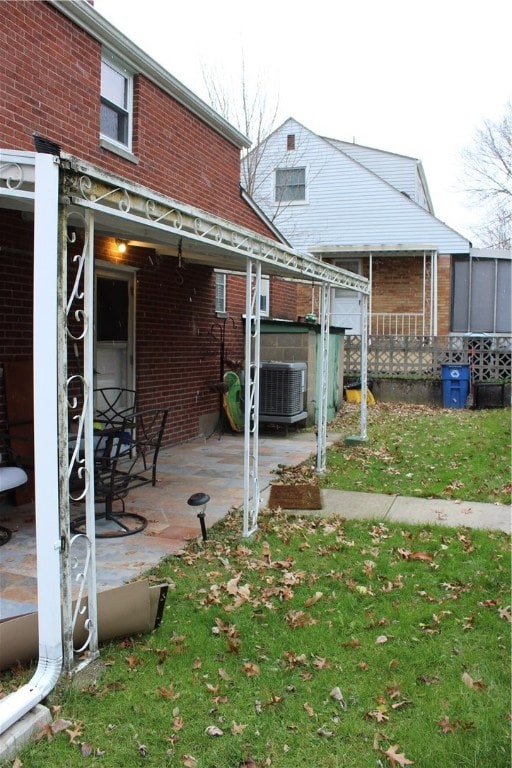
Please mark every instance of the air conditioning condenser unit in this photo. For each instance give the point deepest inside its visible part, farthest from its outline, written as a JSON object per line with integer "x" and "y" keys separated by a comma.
{"x": 282, "y": 392}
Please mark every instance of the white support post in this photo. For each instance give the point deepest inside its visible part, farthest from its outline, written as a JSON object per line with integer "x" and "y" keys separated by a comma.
{"x": 79, "y": 553}
{"x": 252, "y": 395}
{"x": 321, "y": 452}
{"x": 433, "y": 303}
{"x": 364, "y": 365}
{"x": 46, "y": 463}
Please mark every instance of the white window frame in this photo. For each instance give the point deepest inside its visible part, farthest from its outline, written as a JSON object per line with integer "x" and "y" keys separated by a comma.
{"x": 107, "y": 141}
{"x": 265, "y": 297}
{"x": 220, "y": 292}
{"x": 284, "y": 201}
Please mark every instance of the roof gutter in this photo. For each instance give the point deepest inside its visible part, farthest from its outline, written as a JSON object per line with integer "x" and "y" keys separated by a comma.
{"x": 83, "y": 15}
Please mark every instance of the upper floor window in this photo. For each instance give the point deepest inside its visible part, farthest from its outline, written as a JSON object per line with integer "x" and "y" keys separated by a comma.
{"x": 290, "y": 184}
{"x": 116, "y": 102}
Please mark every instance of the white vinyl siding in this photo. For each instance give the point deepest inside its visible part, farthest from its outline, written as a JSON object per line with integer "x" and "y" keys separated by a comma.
{"x": 348, "y": 204}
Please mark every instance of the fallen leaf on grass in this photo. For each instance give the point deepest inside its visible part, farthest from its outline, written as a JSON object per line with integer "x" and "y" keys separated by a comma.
{"x": 237, "y": 728}
{"x": 379, "y": 714}
{"x": 337, "y": 695}
{"x": 169, "y": 692}
{"x": 450, "y": 726}
{"x": 476, "y": 685}
{"x": 506, "y": 613}
{"x": 73, "y": 732}
{"x": 407, "y": 555}
{"x": 313, "y": 599}
{"x": 189, "y": 761}
{"x": 381, "y": 640}
{"x": 133, "y": 661}
{"x": 250, "y": 669}
{"x": 213, "y": 730}
{"x": 297, "y": 619}
{"x": 309, "y": 709}
{"x": 396, "y": 758}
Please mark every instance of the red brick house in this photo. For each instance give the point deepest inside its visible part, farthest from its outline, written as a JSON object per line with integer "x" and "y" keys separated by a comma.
{"x": 119, "y": 198}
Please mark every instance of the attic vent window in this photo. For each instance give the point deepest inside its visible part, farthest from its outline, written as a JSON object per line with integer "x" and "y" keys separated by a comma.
{"x": 290, "y": 141}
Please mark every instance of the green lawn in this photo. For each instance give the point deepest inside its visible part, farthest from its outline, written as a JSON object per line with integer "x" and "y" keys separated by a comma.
{"x": 321, "y": 642}
{"x": 428, "y": 452}
{"x": 317, "y": 642}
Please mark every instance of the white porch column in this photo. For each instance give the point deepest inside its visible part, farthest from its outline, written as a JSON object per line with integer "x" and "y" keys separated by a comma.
{"x": 321, "y": 450}
{"x": 252, "y": 396}
{"x": 46, "y": 464}
{"x": 76, "y": 415}
{"x": 433, "y": 304}
{"x": 364, "y": 365}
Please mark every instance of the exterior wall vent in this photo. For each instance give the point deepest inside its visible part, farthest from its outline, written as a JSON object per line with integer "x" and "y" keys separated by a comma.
{"x": 282, "y": 392}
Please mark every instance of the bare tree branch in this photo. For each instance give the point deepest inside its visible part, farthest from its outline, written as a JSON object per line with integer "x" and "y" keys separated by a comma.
{"x": 488, "y": 169}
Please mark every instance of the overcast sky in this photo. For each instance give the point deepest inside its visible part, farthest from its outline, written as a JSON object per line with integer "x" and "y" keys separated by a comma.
{"x": 416, "y": 77}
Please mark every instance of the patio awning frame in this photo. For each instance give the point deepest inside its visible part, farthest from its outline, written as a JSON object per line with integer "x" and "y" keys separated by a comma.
{"x": 60, "y": 190}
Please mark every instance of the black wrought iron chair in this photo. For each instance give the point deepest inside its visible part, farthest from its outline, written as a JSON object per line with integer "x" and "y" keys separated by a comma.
{"x": 126, "y": 455}
{"x": 113, "y": 404}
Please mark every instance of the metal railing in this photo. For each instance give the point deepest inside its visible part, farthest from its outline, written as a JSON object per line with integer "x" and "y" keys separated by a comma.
{"x": 489, "y": 356}
{"x": 392, "y": 324}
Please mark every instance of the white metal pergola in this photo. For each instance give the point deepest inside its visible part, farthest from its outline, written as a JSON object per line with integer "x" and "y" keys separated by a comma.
{"x": 65, "y": 192}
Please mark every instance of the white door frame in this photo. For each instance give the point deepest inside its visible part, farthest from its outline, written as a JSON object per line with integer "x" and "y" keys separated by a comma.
{"x": 116, "y": 272}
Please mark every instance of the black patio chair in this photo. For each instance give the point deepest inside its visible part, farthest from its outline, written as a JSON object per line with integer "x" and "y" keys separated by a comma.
{"x": 113, "y": 404}
{"x": 125, "y": 457}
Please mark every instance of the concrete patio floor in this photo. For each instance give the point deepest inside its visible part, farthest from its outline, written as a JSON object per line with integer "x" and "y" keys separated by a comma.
{"x": 213, "y": 466}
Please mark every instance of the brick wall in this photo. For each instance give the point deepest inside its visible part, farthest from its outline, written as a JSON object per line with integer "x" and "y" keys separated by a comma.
{"x": 50, "y": 85}
{"x": 444, "y": 281}
{"x": 176, "y": 356}
{"x": 16, "y": 270}
{"x": 397, "y": 287}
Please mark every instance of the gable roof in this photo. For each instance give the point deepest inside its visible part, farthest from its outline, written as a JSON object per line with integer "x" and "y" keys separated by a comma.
{"x": 401, "y": 171}
{"x": 349, "y": 204}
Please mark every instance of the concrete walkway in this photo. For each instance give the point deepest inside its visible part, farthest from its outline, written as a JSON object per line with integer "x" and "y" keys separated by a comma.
{"x": 406, "y": 509}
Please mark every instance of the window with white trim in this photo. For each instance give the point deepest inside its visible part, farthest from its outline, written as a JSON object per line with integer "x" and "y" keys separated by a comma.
{"x": 265, "y": 296}
{"x": 116, "y": 102}
{"x": 220, "y": 292}
{"x": 290, "y": 185}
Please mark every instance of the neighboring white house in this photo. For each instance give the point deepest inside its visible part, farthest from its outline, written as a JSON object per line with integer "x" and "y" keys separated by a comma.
{"x": 368, "y": 211}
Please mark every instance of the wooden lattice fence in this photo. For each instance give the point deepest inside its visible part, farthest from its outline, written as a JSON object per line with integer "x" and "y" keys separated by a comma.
{"x": 489, "y": 357}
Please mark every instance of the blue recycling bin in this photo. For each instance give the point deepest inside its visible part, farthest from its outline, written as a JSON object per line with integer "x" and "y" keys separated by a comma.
{"x": 455, "y": 385}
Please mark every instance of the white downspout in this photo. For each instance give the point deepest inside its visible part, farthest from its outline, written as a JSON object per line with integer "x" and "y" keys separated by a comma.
{"x": 46, "y": 465}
